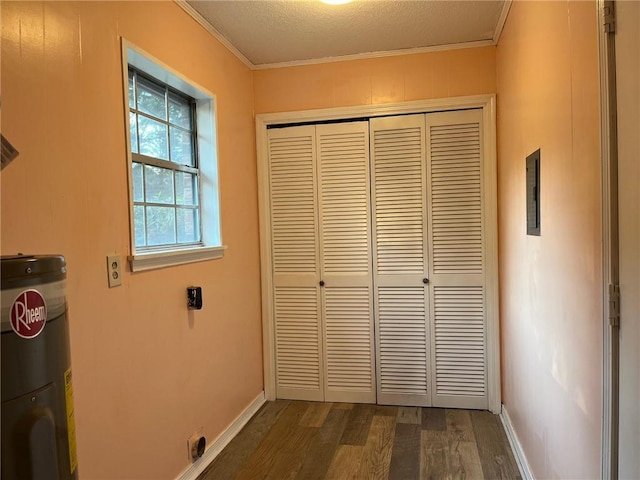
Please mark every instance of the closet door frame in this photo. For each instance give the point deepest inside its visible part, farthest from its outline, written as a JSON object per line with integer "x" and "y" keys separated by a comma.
{"x": 488, "y": 105}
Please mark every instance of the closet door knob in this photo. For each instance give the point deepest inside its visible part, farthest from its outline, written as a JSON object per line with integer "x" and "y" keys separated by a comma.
{"x": 322, "y": 283}
{"x": 425, "y": 280}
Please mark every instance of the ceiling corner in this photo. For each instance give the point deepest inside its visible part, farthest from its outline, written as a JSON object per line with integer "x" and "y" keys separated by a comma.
{"x": 213, "y": 31}
{"x": 501, "y": 21}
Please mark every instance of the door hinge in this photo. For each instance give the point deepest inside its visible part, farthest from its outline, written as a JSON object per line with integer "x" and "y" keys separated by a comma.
{"x": 609, "y": 17}
{"x": 614, "y": 305}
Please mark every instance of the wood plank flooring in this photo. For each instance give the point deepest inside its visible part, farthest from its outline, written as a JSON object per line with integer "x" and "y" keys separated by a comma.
{"x": 316, "y": 441}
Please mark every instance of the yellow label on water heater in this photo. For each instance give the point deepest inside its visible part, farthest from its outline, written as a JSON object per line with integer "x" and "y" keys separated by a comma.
{"x": 71, "y": 421}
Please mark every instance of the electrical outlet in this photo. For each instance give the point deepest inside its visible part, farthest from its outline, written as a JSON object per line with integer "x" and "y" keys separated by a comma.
{"x": 114, "y": 272}
{"x": 196, "y": 445}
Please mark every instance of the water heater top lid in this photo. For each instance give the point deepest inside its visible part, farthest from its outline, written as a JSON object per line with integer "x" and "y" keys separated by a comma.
{"x": 27, "y": 270}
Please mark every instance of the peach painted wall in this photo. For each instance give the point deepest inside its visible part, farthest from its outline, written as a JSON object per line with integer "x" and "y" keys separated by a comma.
{"x": 450, "y": 73}
{"x": 147, "y": 372}
{"x": 550, "y": 286}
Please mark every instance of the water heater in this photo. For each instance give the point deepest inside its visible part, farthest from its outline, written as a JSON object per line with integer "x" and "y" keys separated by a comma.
{"x": 38, "y": 425}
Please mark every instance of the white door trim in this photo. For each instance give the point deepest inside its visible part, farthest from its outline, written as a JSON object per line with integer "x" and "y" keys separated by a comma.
{"x": 488, "y": 105}
{"x": 610, "y": 260}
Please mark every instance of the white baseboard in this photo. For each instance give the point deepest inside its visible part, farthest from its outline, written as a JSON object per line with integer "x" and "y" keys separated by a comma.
{"x": 214, "y": 449}
{"x": 521, "y": 459}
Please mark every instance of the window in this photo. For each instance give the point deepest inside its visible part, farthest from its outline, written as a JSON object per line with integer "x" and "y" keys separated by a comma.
{"x": 173, "y": 166}
{"x": 166, "y": 208}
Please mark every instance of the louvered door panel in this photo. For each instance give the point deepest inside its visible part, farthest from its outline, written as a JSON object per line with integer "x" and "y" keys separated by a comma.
{"x": 456, "y": 201}
{"x": 295, "y": 263}
{"x": 400, "y": 260}
{"x": 349, "y": 349}
{"x": 403, "y": 341}
{"x": 298, "y": 343}
{"x": 293, "y": 206}
{"x": 345, "y": 257}
{"x": 399, "y": 205}
{"x": 371, "y": 210}
{"x": 344, "y": 198}
{"x": 456, "y": 226}
{"x": 459, "y": 343}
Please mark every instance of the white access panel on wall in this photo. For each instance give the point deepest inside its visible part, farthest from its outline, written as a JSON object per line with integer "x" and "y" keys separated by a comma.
{"x": 398, "y": 160}
{"x": 457, "y": 250}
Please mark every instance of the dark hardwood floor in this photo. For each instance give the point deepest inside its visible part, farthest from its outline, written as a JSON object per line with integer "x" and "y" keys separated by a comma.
{"x": 314, "y": 441}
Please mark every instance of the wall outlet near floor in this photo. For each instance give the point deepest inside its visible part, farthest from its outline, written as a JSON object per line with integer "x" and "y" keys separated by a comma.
{"x": 114, "y": 272}
{"x": 196, "y": 446}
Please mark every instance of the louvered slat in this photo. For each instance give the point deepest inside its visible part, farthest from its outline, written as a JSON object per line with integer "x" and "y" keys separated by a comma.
{"x": 343, "y": 173}
{"x": 297, "y": 338}
{"x": 398, "y": 167}
{"x": 348, "y": 339}
{"x": 344, "y": 187}
{"x": 456, "y": 198}
{"x": 459, "y": 341}
{"x": 403, "y": 343}
{"x": 293, "y": 206}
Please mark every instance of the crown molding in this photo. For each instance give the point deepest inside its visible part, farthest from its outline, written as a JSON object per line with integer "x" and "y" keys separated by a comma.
{"x": 213, "y": 31}
{"x": 501, "y": 21}
{"x": 343, "y": 58}
{"x": 363, "y": 56}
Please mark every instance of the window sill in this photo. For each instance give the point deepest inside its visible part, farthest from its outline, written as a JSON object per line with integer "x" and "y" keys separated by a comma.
{"x": 151, "y": 261}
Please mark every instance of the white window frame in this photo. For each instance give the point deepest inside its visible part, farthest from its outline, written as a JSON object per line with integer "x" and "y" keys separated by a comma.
{"x": 211, "y": 246}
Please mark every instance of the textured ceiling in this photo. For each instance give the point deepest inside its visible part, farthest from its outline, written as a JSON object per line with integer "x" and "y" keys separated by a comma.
{"x": 277, "y": 31}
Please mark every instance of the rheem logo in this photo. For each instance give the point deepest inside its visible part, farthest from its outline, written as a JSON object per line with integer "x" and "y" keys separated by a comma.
{"x": 28, "y": 314}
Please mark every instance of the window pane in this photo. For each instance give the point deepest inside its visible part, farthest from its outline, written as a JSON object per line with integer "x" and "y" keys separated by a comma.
{"x": 132, "y": 97}
{"x": 153, "y": 138}
{"x": 151, "y": 98}
{"x": 181, "y": 148}
{"x": 158, "y": 184}
{"x": 133, "y": 131}
{"x": 138, "y": 183}
{"x": 188, "y": 225}
{"x": 161, "y": 225}
{"x": 186, "y": 189}
{"x": 179, "y": 111}
{"x": 138, "y": 225}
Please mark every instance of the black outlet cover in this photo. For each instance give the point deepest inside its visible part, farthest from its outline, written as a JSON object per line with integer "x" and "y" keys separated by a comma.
{"x": 194, "y": 298}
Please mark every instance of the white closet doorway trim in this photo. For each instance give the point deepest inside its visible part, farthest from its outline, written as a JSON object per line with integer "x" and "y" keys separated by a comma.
{"x": 488, "y": 105}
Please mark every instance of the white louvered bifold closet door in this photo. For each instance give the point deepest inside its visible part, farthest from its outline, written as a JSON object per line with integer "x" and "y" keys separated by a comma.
{"x": 400, "y": 260}
{"x": 457, "y": 252}
{"x": 345, "y": 260}
{"x": 295, "y": 263}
